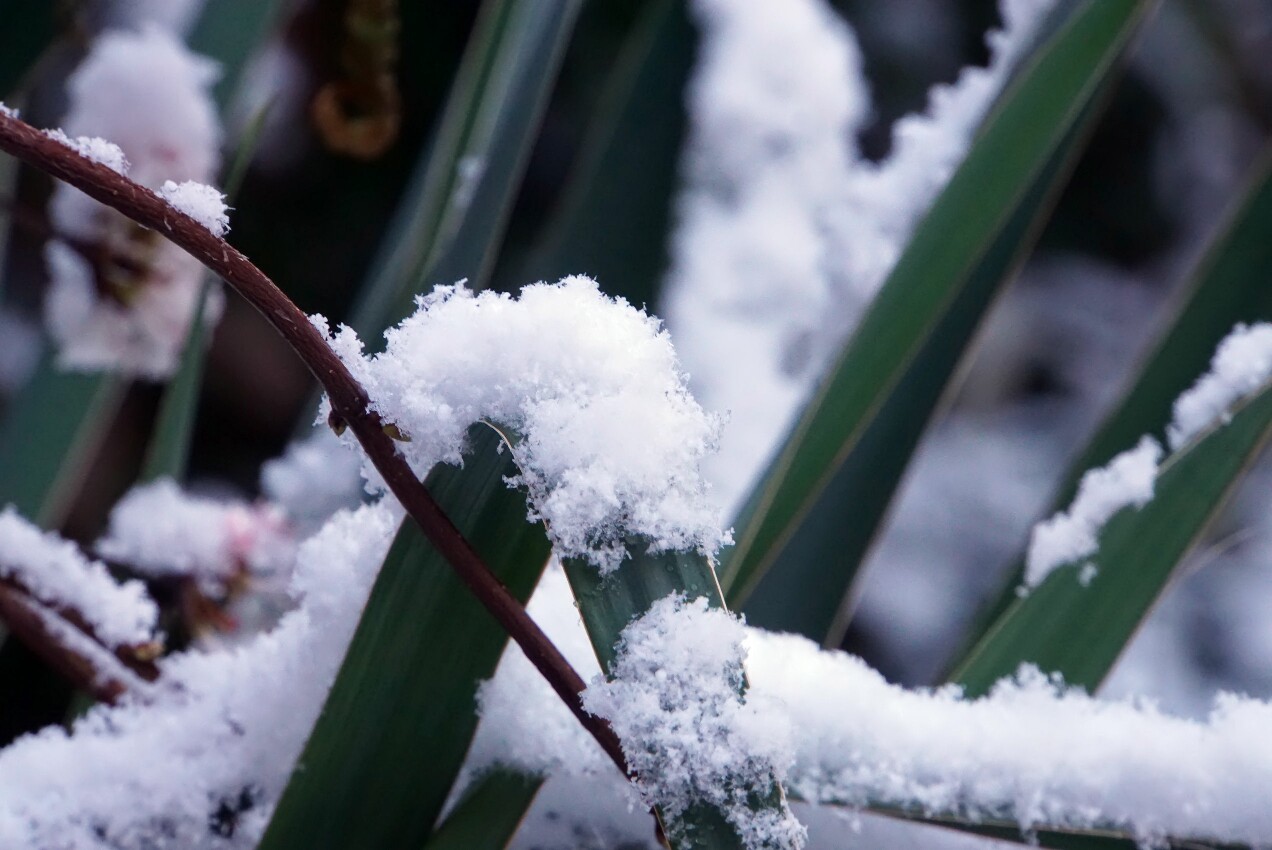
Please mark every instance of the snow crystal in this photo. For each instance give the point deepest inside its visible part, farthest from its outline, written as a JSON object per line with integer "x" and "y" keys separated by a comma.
{"x": 1070, "y": 535}
{"x": 785, "y": 231}
{"x": 1242, "y": 364}
{"x": 157, "y": 529}
{"x": 201, "y": 202}
{"x": 217, "y": 727}
{"x": 55, "y": 572}
{"x": 149, "y": 95}
{"x": 8, "y": 111}
{"x": 675, "y": 700}
{"x": 609, "y": 439}
{"x": 95, "y": 148}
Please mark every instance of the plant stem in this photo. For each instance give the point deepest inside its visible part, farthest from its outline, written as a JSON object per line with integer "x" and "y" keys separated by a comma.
{"x": 348, "y": 399}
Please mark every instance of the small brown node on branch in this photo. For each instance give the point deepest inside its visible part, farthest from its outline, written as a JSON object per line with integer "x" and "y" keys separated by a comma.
{"x": 336, "y": 423}
{"x": 395, "y": 433}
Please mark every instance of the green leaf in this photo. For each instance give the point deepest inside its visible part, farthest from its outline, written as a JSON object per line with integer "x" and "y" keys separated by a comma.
{"x": 489, "y": 813}
{"x": 613, "y": 218}
{"x": 1079, "y": 632}
{"x": 811, "y": 521}
{"x": 397, "y": 723}
{"x": 50, "y": 434}
{"x": 608, "y": 603}
{"x": 1228, "y": 286}
{"x": 451, "y": 221}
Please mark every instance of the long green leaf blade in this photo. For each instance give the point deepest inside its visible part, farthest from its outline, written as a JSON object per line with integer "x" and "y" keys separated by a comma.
{"x": 1079, "y": 632}
{"x": 488, "y": 815}
{"x": 397, "y": 723}
{"x": 873, "y": 406}
{"x": 451, "y": 220}
{"x": 1228, "y": 286}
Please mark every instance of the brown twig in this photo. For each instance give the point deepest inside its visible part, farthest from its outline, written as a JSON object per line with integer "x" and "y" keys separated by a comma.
{"x": 38, "y": 626}
{"x": 348, "y": 399}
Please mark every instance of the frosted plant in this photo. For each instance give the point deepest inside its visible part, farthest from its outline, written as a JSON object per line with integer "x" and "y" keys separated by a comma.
{"x": 121, "y": 297}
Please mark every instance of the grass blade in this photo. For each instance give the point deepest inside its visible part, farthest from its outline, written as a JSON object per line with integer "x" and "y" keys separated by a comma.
{"x": 1079, "y": 631}
{"x": 859, "y": 432}
{"x": 397, "y": 723}
{"x": 1228, "y": 286}
{"x": 488, "y": 815}
{"x": 451, "y": 221}
{"x": 613, "y": 219}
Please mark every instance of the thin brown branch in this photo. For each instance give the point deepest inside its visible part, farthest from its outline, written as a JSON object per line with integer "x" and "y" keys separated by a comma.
{"x": 37, "y": 626}
{"x": 348, "y": 399}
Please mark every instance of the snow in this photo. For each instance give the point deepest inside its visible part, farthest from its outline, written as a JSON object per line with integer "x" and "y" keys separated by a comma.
{"x": 1242, "y": 365}
{"x": 201, "y": 202}
{"x": 149, "y": 95}
{"x": 217, "y": 726}
{"x": 1031, "y": 752}
{"x": 608, "y": 438}
{"x": 1127, "y": 480}
{"x": 95, "y": 148}
{"x": 55, "y": 572}
{"x": 175, "y": 15}
{"x": 159, "y": 530}
{"x": 314, "y": 478}
{"x": 675, "y": 700}
{"x": 785, "y": 232}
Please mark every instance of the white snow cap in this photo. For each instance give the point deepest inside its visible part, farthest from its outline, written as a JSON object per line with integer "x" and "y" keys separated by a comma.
{"x": 158, "y": 529}
{"x": 1242, "y": 364}
{"x": 1071, "y": 535}
{"x": 203, "y": 203}
{"x": 609, "y": 439}
{"x": 149, "y": 96}
{"x": 675, "y": 700}
{"x": 785, "y": 231}
{"x": 57, "y": 574}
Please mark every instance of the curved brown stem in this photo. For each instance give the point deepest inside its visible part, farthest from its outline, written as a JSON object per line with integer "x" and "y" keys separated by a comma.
{"x": 348, "y": 399}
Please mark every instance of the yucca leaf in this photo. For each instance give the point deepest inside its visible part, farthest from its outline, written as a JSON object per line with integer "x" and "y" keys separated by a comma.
{"x": 615, "y": 210}
{"x": 397, "y": 723}
{"x": 488, "y": 814}
{"x": 230, "y": 31}
{"x": 1080, "y": 635}
{"x": 1228, "y": 286}
{"x": 608, "y": 603}
{"x": 450, "y": 222}
{"x": 853, "y": 442}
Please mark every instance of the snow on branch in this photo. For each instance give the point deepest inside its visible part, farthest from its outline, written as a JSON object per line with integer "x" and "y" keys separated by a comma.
{"x": 54, "y": 572}
{"x": 785, "y": 231}
{"x": 608, "y": 438}
{"x": 218, "y": 728}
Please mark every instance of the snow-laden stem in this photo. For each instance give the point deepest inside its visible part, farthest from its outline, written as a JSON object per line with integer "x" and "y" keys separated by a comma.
{"x": 348, "y": 399}
{"x": 45, "y": 631}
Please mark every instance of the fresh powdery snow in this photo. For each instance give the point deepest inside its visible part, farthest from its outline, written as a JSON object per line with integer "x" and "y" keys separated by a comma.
{"x": 1241, "y": 365}
{"x": 150, "y": 97}
{"x": 55, "y": 572}
{"x": 219, "y": 727}
{"x": 675, "y": 700}
{"x": 1032, "y": 752}
{"x": 785, "y": 231}
{"x": 203, "y": 203}
{"x": 608, "y": 438}
{"x": 1072, "y": 535}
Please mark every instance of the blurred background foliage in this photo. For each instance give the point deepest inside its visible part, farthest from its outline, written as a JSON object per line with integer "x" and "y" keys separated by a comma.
{"x": 1185, "y": 123}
